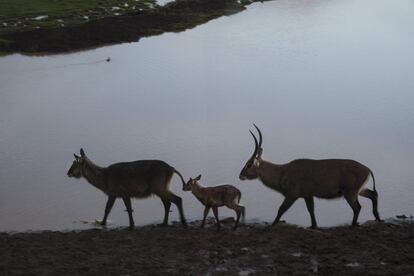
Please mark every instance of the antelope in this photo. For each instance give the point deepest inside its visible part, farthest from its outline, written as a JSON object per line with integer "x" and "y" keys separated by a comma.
{"x": 214, "y": 197}
{"x": 307, "y": 178}
{"x": 136, "y": 179}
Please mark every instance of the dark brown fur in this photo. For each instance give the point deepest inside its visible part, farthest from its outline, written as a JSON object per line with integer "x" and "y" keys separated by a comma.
{"x": 136, "y": 179}
{"x": 307, "y": 178}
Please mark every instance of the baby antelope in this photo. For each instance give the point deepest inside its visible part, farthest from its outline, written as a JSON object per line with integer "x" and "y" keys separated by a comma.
{"x": 214, "y": 197}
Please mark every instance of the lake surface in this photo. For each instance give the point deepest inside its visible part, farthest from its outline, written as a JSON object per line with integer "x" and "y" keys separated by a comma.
{"x": 322, "y": 79}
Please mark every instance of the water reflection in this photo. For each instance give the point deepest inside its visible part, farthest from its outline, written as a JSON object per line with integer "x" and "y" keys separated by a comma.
{"x": 321, "y": 78}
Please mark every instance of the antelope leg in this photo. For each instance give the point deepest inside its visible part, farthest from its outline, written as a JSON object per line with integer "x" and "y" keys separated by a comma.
{"x": 356, "y": 207}
{"x": 240, "y": 212}
{"x": 127, "y": 202}
{"x": 283, "y": 208}
{"x": 108, "y": 208}
{"x": 167, "y": 205}
{"x": 179, "y": 203}
{"x": 311, "y": 208}
{"x": 374, "y": 198}
{"x": 215, "y": 211}
{"x": 206, "y": 210}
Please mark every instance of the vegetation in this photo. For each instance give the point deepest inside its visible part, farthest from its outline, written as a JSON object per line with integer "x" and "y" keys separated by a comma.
{"x": 25, "y": 15}
{"x": 53, "y": 26}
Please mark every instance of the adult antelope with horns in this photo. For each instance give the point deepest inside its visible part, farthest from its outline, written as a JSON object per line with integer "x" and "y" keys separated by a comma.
{"x": 307, "y": 178}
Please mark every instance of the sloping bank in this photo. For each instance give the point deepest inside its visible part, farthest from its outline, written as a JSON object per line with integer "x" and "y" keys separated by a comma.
{"x": 256, "y": 249}
{"x": 174, "y": 17}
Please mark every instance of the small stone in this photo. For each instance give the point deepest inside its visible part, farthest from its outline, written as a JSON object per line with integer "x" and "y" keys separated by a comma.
{"x": 245, "y": 272}
{"x": 40, "y": 17}
{"x": 354, "y": 264}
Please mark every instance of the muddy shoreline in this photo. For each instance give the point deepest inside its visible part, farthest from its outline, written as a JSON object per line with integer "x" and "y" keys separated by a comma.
{"x": 176, "y": 16}
{"x": 373, "y": 249}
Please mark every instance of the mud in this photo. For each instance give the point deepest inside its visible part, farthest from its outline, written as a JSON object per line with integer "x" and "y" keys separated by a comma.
{"x": 373, "y": 249}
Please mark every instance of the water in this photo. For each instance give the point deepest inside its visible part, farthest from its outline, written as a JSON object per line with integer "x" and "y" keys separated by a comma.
{"x": 321, "y": 78}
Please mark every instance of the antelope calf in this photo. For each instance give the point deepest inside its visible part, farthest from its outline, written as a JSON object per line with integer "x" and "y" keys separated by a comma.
{"x": 307, "y": 178}
{"x": 137, "y": 179}
{"x": 214, "y": 197}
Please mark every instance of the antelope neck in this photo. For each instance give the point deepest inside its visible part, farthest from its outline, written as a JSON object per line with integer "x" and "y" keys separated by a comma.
{"x": 92, "y": 173}
{"x": 270, "y": 174}
{"x": 196, "y": 189}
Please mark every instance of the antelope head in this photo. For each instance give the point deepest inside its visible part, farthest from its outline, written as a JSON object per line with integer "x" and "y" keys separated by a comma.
{"x": 249, "y": 170}
{"x": 76, "y": 168}
{"x": 190, "y": 183}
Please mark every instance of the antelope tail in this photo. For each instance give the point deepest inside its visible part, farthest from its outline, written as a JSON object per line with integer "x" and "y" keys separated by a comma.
{"x": 373, "y": 180}
{"x": 179, "y": 174}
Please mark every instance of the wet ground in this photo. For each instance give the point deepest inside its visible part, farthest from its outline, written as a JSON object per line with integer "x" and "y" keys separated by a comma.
{"x": 373, "y": 249}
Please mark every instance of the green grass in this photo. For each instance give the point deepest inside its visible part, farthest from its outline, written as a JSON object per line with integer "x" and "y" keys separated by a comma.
{"x": 19, "y": 15}
{"x": 53, "y": 17}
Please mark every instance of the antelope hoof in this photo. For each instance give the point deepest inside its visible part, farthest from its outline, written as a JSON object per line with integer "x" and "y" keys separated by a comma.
{"x": 101, "y": 223}
{"x": 163, "y": 225}
{"x": 130, "y": 228}
{"x": 277, "y": 222}
{"x": 355, "y": 224}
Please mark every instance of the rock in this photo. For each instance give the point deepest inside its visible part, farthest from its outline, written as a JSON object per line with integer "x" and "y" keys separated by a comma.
{"x": 245, "y": 272}
{"x": 403, "y": 216}
{"x": 314, "y": 264}
{"x": 297, "y": 254}
{"x": 354, "y": 264}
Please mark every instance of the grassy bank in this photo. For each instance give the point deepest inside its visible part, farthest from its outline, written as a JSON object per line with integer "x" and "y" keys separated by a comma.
{"x": 26, "y": 15}
{"x": 51, "y": 26}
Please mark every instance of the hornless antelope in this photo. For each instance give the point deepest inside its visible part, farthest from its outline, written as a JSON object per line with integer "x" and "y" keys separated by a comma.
{"x": 138, "y": 179}
{"x": 328, "y": 178}
{"x": 214, "y": 197}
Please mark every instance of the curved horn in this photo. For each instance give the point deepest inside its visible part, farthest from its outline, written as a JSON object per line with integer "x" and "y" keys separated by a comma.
{"x": 260, "y": 136}
{"x": 256, "y": 145}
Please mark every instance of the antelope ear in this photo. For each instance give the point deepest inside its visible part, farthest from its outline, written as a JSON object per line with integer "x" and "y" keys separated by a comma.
{"x": 76, "y": 157}
{"x": 198, "y": 177}
{"x": 82, "y": 153}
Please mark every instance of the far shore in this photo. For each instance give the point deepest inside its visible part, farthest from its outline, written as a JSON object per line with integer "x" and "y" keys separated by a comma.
{"x": 374, "y": 248}
{"x": 129, "y": 26}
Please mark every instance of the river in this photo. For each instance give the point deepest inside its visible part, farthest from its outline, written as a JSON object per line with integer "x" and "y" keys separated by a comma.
{"x": 322, "y": 79}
